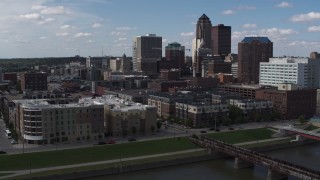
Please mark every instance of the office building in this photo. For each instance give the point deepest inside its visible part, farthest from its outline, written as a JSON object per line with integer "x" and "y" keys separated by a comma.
{"x": 201, "y": 45}
{"x": 36, "y": 81}
{"x": 252, "y": 51}
{"x": 304, "y": 72}
{"x": 175, "y": 54}
{"x": 147, "y": 50}
{"x": 221, "y": 40}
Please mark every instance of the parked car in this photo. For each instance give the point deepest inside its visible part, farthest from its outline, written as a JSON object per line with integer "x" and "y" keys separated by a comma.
{"x": 101, "y": 143}
{"x": 3, "y": 152}
{"x": 14, "y": 142}
{"x": 132, "y": 139}
{"x": 217, "y": 130}
{"x": 203, "y": 131}
{"x": 231, "y": 128}
{"x": 111, "y": 141}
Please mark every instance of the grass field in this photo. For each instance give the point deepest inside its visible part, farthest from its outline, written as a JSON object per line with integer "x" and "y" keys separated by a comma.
{"x": 91, "y": 154}
{"x": 312, "y": 127}
{"x": 103, "y": 166}
{"x": 241, "y": 136}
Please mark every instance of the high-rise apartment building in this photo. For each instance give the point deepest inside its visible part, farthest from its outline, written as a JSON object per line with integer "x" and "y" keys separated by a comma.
{"x": 252, "y": 51}
{"x": 147, "y": 50}
{"x": 203, "y": 31}
{"x": 175, "y": 54}
{"x": 221, "y": 40}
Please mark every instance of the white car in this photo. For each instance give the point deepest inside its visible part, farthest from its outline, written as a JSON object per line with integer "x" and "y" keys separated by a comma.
{"x": 14, "y": 142}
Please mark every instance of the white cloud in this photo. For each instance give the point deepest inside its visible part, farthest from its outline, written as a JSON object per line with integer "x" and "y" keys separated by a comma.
{"x": 314, "y": 29}
{"x": 187, "y": 34}
{"x": 122, "y": 39}
{"x": 284, "y": 5}
{"x": 125, "y": 28}
{"x": 38, "y": 7}
{"x": 306, "y": 17}
{"x": 47, "y": 20}
{"x": 278, "y": 31}
{"x": 62, "y": 34}
{"x": 32, "y": 16}
{"x": 54, "y": 10}
{"x": 96, "y": 25}
{"x": 118, "y": 33}
{"x": 228, "y": 12}
{"x": 249, "y": 26}
{"x": 66, "y": 26}
{"x": 82, "y": 34}
{"x": 164, "y": 40}
{"x": 43, "y": 37}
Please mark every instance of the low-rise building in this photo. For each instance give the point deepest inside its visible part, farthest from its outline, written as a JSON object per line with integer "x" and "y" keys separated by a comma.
{"x": 42, "y": 121}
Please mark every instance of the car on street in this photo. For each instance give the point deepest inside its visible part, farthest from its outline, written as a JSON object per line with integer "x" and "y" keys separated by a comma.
{"x": 132, "y": 139}
{"x": 101, "y": 143}
{"x": 217, "y": 130}
{"x": 203, "y": 131}
{"x": 231, "y": 128}
{"x": 111, "y": 141}
{"x": 3, "y": 152}
{"x": 14, "y": 142}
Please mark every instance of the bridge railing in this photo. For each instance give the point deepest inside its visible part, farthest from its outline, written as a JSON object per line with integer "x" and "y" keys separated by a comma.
{"x": 256, "y": 157}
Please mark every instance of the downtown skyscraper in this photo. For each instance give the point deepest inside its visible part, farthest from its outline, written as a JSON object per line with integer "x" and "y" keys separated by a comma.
{"x": 146, "y": 51}
{"x": 252, "y": 51}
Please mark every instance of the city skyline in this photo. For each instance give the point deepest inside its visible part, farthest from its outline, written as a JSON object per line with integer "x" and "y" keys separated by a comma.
{"x": 60, "y": 28}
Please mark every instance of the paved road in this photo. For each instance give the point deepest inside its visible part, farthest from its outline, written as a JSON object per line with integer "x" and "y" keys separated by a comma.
{"x": 172, "y": 131}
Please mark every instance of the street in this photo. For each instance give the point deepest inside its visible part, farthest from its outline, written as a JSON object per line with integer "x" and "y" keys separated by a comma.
{"x": 172, "y": 130}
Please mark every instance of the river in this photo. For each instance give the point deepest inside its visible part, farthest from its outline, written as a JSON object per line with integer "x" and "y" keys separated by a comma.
{"x": 307, "y": 155}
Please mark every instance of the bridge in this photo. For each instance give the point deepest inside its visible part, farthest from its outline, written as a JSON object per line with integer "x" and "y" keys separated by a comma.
{"x": 301, "y": 132}
{"x": 277, "y": 169}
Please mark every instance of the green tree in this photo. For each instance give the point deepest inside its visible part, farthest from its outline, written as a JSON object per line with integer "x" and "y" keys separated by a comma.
{"x": 189, "y": 123}
{"x": 152, "y": 128}
{"x": 133, "y": 130}
{"x": 302, "y": 119}
{"x": 234, "y": 113}
{"x": 159, "y": 124}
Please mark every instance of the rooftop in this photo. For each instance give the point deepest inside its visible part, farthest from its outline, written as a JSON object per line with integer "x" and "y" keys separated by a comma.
{"x": 260, "y": 39}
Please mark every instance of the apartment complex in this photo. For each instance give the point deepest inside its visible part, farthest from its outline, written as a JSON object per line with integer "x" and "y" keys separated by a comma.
{"x": 42, "y": 121}
{"x": 289, "y": 101}
{"x": 303, "y": 72}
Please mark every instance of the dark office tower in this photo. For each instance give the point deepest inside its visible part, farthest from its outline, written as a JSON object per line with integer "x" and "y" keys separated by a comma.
{"x": 252, "y": 51}
{"x": 147, "y": 50}
{"x": 203, "y": 31}
{"x": 175, "y": 54}
{"x": 221, "y": 39}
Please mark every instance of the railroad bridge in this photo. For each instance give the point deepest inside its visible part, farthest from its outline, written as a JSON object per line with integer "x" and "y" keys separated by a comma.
{"x": 277, "y": 169}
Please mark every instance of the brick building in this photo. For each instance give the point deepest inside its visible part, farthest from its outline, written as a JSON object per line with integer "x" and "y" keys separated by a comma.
{"x": 34, "y": 81}
{"x": 291, "y": 104}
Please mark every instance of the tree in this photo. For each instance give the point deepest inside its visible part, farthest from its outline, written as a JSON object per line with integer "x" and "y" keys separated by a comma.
{"x": 133, "y": 130}
{"x": 152, "y": 128}
{"x": 235, "y": 113}
{"x": 189, "y": 123}
{"x": 302, "y": 119}
{"x": 159, "y": 124}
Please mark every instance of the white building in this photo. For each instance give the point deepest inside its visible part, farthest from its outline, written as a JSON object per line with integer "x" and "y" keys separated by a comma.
{"x": 304, "y": 72}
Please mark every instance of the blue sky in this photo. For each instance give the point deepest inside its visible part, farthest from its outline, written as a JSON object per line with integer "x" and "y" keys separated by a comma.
{"x": 59, "y": 28}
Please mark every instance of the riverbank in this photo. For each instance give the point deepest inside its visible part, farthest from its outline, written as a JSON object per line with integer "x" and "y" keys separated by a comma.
{"x": 125, "y": 166}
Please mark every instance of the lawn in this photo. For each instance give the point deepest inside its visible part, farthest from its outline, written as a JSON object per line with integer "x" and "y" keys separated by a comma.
{"x": 103, "y": 166}
{"x": 312, "y": 127}
{"x": 91, "y": 154}
{"x": 241, "y": 136}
